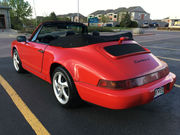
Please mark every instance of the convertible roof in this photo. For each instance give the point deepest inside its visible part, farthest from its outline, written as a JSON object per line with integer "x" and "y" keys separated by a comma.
{"x": 86, "y": 39}
{"x": 48, "y": 23}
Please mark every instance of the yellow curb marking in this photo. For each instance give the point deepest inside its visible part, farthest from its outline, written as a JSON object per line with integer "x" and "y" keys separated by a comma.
{"x": 23, "y": 108}
{"x": 167, "y": 58}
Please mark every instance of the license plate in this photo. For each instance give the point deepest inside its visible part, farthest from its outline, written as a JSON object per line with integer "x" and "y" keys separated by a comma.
{"x": 158, "y": 92}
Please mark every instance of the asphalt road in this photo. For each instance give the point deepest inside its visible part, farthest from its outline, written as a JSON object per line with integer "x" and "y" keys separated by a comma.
{"x": 160, "y": 117}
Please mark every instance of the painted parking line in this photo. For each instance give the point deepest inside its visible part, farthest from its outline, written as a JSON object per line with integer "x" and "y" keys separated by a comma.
{"x": 176, "y": 85}
{"x": 157, "y": 37}
{"x": 161, "y": 48}
{"x": 167, "y": 58}
{"x": 23, "y": 108}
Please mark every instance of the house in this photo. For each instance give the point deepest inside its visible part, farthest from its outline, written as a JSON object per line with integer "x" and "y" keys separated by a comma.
{"x": 110, "y": 14}
{"x": 137, "y": 14}
{"x": 167, "y": 19}
{"x": 120, "y": 12}
{"x": 5, "y": 22}
{"x": 174, "y": 22}
{"x": 74, "y": 17}
{"x": 98, "y": 14}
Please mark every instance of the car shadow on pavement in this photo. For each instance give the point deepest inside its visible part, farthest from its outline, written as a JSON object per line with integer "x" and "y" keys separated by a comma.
{"x": 39, "y": 97}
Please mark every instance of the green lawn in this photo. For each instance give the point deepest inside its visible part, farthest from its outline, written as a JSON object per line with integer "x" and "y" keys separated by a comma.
{"x": 107, "y": 29}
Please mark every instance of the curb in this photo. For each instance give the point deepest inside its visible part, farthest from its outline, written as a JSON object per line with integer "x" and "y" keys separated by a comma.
{"x": 147, "y": 34}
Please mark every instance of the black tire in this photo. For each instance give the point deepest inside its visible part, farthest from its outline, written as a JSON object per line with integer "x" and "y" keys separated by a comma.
{"x": 67, "y": 85}
{"x": 18, "y": 66}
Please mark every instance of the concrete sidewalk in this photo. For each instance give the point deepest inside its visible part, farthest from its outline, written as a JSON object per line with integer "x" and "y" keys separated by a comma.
{"x": 9, "y": 33}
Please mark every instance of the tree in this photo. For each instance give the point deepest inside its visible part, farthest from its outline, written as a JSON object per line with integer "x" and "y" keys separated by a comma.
{"x": 104, "y": 19}
{"x": 53, "y": 16}
{"x": 126, "y": 20}
{"x": 20, "y": 8}
{"x": 20, "y": 11}
{"x": 4, "y": 2}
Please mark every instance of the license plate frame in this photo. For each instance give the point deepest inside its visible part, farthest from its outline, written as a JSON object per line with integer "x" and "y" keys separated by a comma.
{"x": 158, "y": 92}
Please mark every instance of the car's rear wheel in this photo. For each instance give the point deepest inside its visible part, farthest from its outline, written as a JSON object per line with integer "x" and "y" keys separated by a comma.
{"x": 17, "y": 62}
{"x": 64, "y": 88}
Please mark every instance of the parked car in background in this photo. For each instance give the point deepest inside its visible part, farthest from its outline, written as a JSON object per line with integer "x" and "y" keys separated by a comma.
{"x": 145, "y": 25}
{"x": 154, "y": 25}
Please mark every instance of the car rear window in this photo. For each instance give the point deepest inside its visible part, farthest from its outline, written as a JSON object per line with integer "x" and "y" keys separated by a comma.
{"x": 123, "y": 49}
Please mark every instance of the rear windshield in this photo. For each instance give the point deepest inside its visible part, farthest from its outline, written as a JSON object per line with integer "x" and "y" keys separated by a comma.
{"x": 123, "y": 49}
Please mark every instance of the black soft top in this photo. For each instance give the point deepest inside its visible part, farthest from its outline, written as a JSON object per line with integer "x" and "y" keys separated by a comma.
{"x": 86, "y": 39}
{"x": 77, "y": 40}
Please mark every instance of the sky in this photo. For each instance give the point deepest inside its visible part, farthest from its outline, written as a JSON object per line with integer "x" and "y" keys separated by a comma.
{"x": 158, "y": 9}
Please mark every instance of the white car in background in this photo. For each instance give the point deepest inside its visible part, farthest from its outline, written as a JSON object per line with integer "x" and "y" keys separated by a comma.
{"x": 145, "y": 25}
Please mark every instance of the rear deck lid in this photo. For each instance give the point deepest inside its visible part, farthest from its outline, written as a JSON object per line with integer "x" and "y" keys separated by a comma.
{"x": 116, "y": 51}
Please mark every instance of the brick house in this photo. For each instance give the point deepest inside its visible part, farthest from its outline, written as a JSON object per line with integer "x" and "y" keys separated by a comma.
{"x": 5, "y": 22}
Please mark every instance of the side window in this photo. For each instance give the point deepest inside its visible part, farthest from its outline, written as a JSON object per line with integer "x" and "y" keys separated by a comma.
{"x": 47, "y": 34}
{"x": 52, "y": 32}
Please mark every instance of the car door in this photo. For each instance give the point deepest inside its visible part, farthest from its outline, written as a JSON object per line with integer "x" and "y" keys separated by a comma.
{"x": 32, "y": 52}
{"x": 33, "y": 55}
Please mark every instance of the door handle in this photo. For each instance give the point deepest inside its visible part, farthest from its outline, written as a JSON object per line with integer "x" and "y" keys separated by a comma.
{"x": 41, "y": 51}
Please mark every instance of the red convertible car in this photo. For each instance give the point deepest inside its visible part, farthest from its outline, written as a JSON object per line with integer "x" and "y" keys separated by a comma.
{"x": 110, "y": 71}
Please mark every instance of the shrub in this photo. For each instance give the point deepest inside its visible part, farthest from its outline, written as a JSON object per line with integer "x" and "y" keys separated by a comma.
{"x": 134, "y": 24}
{"x": 100, "y": 29}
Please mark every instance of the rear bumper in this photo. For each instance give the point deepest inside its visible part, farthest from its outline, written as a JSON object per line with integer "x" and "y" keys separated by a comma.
{"x": 122, "y": 99}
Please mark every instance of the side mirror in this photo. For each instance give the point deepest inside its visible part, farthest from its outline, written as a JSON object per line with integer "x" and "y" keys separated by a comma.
{"x": 21, "y": 39}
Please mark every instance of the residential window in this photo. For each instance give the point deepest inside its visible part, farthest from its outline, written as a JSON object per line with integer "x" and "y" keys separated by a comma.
{"x": 142, "y": 16}
{"x": 115, "y": 16}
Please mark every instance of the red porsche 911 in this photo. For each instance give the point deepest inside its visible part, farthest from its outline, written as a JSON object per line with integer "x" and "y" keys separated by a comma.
{"x": 110, "y": 71}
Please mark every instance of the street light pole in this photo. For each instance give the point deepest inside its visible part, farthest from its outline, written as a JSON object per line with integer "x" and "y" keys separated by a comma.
{"x": 78, "y": 12}
{"x": 35, "y": 12}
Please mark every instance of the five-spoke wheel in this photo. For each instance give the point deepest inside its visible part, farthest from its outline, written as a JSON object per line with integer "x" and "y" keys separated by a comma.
{"x": 64, "y": 88}
{"x": 61, "y": 88}
{"x": 17, "y": 62}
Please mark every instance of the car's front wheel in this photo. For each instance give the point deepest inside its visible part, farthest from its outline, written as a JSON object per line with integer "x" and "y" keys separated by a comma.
{"x": 17, "y": 62}
{"x": 64, "y": 88}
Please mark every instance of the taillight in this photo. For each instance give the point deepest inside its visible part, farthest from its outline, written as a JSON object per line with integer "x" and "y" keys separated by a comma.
{"x": 135, "y": 82}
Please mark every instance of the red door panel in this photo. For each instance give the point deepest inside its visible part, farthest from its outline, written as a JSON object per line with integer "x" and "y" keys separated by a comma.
{"x": 32, "y": 55}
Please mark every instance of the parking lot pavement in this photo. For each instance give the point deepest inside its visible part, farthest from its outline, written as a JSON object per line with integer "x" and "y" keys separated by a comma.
{"x": 5, "y": 44}
{"x": 167, "y": 48}
{"x": 11, "y": 120}
{"x": 158, "y": 117}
